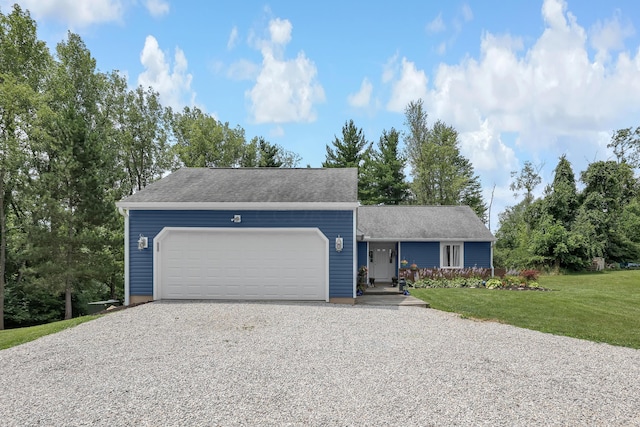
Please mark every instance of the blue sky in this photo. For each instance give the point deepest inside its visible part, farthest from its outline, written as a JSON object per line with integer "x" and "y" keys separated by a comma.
{"x": 527, "y": 80}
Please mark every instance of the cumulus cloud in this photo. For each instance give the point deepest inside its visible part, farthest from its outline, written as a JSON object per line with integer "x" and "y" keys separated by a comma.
{"x": 74, "y": 13}
{"x": 553, "y": 88}
{"x": 286, "y": 90}
{"x": 533, "y": 101}
{"x": 362, "y": 98}
{"x": 410, "y": 86}
{"x": 173, "y": 85}
{"x": 157, "y": 8}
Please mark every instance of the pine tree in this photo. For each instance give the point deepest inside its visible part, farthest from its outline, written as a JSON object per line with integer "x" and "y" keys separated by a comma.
{"x": 383, "y": 176}
{"x": 349, "y": 152}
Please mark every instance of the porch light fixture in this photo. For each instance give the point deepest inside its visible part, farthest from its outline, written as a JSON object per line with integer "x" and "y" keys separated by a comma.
{"x": 143, "y": 242}
{"x": 236, "y": 219}
{"x": 339, "y": 244}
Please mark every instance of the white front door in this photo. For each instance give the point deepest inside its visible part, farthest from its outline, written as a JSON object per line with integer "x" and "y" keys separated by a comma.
{"x": 382, "y": 263}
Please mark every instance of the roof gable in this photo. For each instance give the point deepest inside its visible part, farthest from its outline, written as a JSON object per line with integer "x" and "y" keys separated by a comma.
{"x": 249, "y": 185}
{"x": 425, "y": 223}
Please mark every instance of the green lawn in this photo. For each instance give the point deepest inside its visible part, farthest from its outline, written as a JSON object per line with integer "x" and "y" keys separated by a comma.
{"x": 13, "y": 337}
{"x": 602, "y": 307}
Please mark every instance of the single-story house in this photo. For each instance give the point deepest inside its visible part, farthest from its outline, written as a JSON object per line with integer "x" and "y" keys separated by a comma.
{"x": 281, "y": 234}
{"x": 428, "y": 236}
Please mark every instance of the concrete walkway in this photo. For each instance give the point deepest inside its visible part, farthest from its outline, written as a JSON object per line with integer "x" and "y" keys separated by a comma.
{"x": 391, "y": 300}
{"x": 385, "y": 294}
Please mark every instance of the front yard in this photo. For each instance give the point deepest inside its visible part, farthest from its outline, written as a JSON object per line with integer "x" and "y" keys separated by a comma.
{"x": 601, "y": 307}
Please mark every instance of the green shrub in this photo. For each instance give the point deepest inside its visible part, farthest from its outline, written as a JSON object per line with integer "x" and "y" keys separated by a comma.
{"x": 494, "y": 283}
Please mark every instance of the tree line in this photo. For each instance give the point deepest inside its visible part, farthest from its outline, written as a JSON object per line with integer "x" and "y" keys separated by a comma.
{"x": 566, "y": 229}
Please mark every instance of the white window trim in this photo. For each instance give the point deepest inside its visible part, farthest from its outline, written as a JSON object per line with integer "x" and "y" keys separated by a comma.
{"x": 442, "y": 246}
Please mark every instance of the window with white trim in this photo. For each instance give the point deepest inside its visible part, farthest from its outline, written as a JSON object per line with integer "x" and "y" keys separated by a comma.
{"x": 451, "y": 255}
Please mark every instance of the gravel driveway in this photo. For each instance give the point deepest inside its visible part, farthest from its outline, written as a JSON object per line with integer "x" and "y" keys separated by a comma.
{"x": 207, "y": 363}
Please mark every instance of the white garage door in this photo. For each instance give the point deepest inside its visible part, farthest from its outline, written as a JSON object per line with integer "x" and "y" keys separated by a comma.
{"x": 244, "y": 263}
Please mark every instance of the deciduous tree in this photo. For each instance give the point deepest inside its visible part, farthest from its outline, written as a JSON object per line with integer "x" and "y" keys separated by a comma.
{"x": 23, "y": 61}
{"x": 441, "y": 175}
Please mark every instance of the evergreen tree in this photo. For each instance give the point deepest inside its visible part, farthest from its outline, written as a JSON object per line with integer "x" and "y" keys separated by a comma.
{"x": 562, "y": 196}
{"x": 383, "y": 176}
{"x": 349, "y": 152}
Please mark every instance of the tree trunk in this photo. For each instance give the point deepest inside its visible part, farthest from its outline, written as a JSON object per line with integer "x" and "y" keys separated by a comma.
{"x": 68, "y": 312}
{"x": 3, "y": 248}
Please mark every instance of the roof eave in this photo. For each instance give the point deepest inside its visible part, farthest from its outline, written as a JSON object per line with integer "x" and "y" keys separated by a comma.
{"x": 237, "y": 205}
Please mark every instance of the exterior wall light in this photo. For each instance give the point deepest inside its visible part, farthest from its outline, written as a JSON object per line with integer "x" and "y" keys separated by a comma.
{"x": 339, "y": 244}
{"x": 143, "y": 242}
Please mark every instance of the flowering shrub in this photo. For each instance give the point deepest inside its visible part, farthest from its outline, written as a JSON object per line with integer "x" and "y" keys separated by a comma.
{"x": 472, "y": 278}
{"x": 451, "y": 278}
{"x": 529, "y": 275}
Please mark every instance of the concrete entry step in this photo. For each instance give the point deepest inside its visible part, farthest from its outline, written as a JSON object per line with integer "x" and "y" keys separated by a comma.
{"x": 391, "y": 300}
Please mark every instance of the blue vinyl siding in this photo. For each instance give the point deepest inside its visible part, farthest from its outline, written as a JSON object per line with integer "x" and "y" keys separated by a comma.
{"x": 424, "y": 254}
{"x": 362, "y": 254}
{"x": 332, "y": 223}
{"x": 477, "y": 254}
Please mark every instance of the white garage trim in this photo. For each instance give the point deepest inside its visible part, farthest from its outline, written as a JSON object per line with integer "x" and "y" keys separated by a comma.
{"x": 266, "y": 236}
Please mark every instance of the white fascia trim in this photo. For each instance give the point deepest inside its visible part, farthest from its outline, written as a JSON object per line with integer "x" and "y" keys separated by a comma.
{"x": 355, "y": 257}
{"x": 125, "y": 214}
{"x": 258, "y": 206}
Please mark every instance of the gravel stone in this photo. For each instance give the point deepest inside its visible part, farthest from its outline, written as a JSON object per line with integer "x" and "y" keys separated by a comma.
{"x": 289, "y": 364}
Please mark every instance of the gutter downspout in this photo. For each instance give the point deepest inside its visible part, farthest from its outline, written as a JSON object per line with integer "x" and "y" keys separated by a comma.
{"x": 125, "y": 214}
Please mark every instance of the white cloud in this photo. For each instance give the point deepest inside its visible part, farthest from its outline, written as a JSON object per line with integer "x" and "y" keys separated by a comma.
{"x": 74, "y": 13}
{"x": 411, "y": 86}
{"x": 553, "y": 88}
{"x": 233, "y": 38}
{"x": 362, "y": 98}
{"x": 610, "y": 35}
{"x": 286, "y": 90}
{"x": 484, "y": 147}
{"x": 280, "y": 30}
{"x": 174, "y": 86}
{"x": 467, "y": 13}
{"x": 157, "y": 8}
{"x": 437, "y": 25}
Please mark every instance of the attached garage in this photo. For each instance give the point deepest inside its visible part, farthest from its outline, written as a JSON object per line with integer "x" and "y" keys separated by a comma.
{"x": 246, "y": 263}
{"x": 242, "y": 234}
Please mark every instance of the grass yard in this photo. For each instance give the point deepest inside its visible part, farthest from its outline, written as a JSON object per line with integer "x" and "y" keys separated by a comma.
{"x": 601, "y": 307}
{"x": 13, "y": 337}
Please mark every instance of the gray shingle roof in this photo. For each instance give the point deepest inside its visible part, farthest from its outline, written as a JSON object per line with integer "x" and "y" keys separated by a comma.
{"x": 251, "y": 185}
{"x": 421, "y": 223}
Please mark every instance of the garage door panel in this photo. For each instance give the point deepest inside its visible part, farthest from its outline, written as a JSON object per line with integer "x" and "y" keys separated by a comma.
{"x": 242, "y": 264}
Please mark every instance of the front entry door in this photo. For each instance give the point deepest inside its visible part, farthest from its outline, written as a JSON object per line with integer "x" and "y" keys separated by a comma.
{"x": 382, "y": 264}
